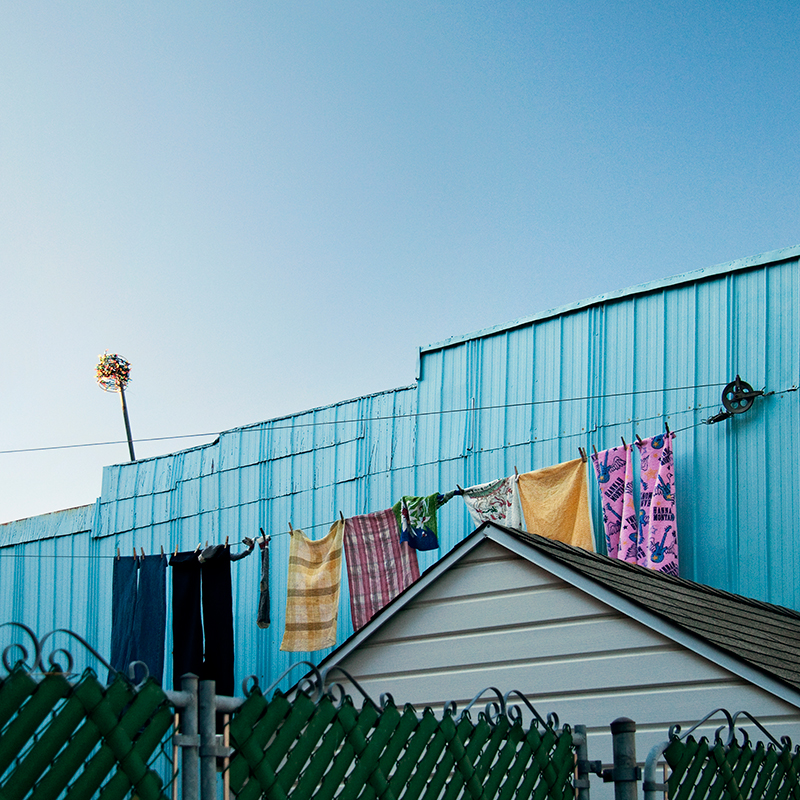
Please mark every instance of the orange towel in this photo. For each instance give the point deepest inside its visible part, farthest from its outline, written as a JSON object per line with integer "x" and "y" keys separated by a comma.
{"x": 312, "y": 600}
{"x": 555, "y": 502}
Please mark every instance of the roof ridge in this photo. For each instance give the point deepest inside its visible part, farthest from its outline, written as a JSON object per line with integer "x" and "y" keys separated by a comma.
{"x": 551, "y": 545}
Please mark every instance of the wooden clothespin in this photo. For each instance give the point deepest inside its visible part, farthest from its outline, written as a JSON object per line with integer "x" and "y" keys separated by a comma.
{"x": 143, "y": 552}
{"x": 516, "y": 473}
{"x": 176, "y": 550}
{"x": 134, "y": 551}
{"x": 118, "y": 554}
{"x": 584, "y": 457}
{"x": 459, "y": 489}
{"x": 226, "y": 541}
{"x": 162, "y": 550}
{"x": 624, "y": 443}
{"x": 291, "y": 529}
{"x": 639, "y": 440}
{"x": 594, "y": 450}
{"x": 666, "y": 428}
{"x": 199, "y": 547}
{"x": 341, "y": 517}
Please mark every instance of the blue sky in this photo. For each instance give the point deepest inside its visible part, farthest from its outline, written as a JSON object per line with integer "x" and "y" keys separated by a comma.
{"x": 270, "y": 206}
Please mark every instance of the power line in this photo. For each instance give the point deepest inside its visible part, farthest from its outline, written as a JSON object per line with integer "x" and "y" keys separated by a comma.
{"x": 319, "y": 423}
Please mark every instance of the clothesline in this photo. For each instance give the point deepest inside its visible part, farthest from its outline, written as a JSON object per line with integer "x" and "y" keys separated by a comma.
{"x": 582, "y": 434}
{"x": 317, "y": 423}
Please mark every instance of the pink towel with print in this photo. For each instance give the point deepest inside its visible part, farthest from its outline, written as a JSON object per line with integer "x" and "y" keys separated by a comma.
{"x": 658, "y": 528}
{"x": 614, "y": 470}
{"x": 379, "y": 565}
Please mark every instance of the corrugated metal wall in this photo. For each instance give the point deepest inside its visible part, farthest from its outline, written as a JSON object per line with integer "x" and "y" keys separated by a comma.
{"x": 525, "y": 395}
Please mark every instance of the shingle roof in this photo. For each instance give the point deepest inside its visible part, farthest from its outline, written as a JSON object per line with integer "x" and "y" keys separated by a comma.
{"x": 763, "y": 635}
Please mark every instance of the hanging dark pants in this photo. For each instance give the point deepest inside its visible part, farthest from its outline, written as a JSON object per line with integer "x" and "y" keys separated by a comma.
{"x": 202, "y": 604}
{"x": 138, "y": 614}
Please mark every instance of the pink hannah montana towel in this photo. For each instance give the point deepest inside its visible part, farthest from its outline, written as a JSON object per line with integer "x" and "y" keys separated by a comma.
{"x": 657, "y": 543}
{"x": 614, "y": 470}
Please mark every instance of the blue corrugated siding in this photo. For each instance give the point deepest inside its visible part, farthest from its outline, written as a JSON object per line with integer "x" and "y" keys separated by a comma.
{"x": 525, "y": 395}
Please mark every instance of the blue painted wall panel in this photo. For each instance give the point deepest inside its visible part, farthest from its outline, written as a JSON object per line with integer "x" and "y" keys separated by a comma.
{"x": 527, "y": 395}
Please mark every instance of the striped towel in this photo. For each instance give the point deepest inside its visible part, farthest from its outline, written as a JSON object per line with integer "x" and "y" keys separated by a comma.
{"x": 379, "y": 566}
{"x": 312, "y": 597}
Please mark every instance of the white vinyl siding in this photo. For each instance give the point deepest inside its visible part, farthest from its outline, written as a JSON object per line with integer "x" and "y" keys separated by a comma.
{"x": 495, "y": 619}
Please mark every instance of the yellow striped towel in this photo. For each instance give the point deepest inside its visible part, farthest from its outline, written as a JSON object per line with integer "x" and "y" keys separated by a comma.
{"x": 312, "y": 600}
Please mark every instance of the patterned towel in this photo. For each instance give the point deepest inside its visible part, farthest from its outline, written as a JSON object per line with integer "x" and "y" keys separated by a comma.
{"x": 312, "y": 598}
{"x": 555, "y": 502}
{"x": 657, "y": 545}
{"x": 379, "y": 566}
{"x": 614, "y": 470}
{"x": 497, "y": 501}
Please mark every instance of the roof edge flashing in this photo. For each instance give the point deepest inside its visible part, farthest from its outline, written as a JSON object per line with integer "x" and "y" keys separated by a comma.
{"x": 772, "y": 257}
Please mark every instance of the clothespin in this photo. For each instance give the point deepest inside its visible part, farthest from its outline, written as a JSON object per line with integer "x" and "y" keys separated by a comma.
{"x": 226, "y": 541}
{"x": 459, "y": 489}
{"x": 176, "y": 550}
{"x": 143, "y": 552}
{"x": 639, "y": 440}
{"x": 134, "y": 551}
{"x": 584, "y": 457}
{"x": 341, "y": 517}
{"x": 624, "y": 443}
{"x": 516, "y": 473}
{"x": 162, "y": 551}
{"x": 118, "y": 554}
{"x": 666, "y": 427}
{"x": 291, "y": 529}
{"x": 199, "y": 547}
{"x": 594, "y": 450}
{"x": 206, "y": 542}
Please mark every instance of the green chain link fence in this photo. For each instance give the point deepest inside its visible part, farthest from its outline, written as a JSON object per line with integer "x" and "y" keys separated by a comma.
{"x": 707, "y": 771}
{"x": 299, "y": 748}
{"x": 81, "y": 739}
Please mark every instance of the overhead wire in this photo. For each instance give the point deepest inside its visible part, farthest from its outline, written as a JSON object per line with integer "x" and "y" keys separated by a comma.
{"x": 319, "y": 423}
{"x": 583, "y": 434}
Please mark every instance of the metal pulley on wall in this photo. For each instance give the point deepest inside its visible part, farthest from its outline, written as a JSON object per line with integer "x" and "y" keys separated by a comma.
{"x": 737, "y": 397}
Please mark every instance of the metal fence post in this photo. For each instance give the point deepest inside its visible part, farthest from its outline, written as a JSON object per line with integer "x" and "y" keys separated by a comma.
{"x": 208, "y": 740}
{"x": 583, "y": 766}
{"x": 188, "y": 740}
{"x": 624, "y": 773}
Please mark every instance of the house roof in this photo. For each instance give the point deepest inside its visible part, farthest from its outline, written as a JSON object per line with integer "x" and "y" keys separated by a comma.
{"x": 765, "y": 636}
{"x": 728, "y": 627}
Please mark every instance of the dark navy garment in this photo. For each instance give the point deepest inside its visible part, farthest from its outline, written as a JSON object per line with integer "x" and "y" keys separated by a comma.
{"x": 202, "y": 618}
{"x": 138, "y": 614}
{"x": 262, "y": 615}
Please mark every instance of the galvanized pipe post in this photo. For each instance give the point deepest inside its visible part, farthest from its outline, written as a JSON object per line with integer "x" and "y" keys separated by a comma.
{"x": 624, "y": 773}
{"x": 208, "y": 740}
{"x": 188, "y": 739}
{"x": 583, "y": 766}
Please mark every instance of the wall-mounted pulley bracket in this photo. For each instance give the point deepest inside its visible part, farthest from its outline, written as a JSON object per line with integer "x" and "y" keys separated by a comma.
{"x": 737, "y": 397}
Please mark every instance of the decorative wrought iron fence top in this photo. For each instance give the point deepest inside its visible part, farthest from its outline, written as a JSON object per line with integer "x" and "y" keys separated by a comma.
{"x": 30, "y": 656}
{"x": 317, "y": 685}
{"x": 729, "y": 737}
